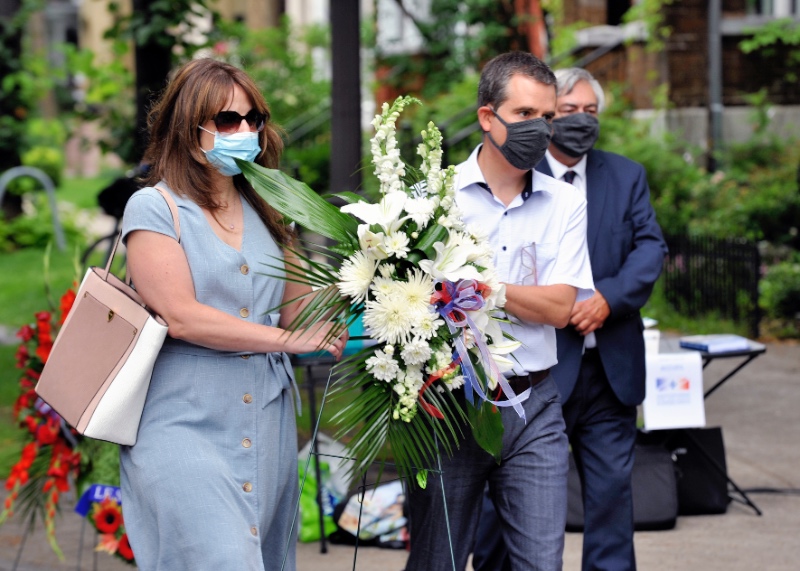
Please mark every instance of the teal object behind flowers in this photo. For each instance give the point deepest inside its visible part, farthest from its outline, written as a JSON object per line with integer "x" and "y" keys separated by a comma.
{"x": 390, "y": 262}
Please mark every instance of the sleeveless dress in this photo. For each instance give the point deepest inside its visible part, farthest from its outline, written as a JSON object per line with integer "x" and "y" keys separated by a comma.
{"x": 211, "y": 483}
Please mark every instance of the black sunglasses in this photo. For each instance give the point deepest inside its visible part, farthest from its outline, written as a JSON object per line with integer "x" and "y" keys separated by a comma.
{"x": 229, "y": 121}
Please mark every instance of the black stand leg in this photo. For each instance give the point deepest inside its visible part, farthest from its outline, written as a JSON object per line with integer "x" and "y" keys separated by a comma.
{"x": 312, "y": 405}
{"x": 722, "y": 471}
{"x": 729, "y": 375}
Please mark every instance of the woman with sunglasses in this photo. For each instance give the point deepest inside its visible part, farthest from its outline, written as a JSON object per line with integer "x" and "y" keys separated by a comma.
{"x": 211, "y": 482}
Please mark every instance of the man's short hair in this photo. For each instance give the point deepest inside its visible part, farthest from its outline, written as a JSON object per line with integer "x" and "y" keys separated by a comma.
{"x": 496, "y": 74}
{"x": 568, "y": 77}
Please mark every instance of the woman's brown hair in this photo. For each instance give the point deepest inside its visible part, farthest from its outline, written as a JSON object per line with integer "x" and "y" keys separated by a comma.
{"x": 198, "y": 91}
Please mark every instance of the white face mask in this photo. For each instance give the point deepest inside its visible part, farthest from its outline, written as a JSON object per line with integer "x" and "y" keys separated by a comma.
{"x": 242, "y": 146}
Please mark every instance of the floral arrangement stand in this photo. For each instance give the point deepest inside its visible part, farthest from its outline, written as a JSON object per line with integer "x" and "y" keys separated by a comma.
{"x": 425, "y": 287}
{"x": 364, "y": 488}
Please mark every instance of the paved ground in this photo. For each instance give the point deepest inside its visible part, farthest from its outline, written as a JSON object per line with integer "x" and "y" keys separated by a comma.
{"x": 761, "y": 426}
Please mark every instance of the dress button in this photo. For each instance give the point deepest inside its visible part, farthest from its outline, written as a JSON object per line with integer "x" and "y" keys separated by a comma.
{"x": 245, "y": 356}
{"x": 247, "y": 443}
{"x": 247, "y": 398}
{"x": 247, "y": 487}
{"x": 245, "y": 269}
{"x": 254, "y": 531}
{"x": 244, "y": 312}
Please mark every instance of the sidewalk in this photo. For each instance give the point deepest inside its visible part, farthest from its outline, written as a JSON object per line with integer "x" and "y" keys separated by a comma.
{"x": 757, "y": 410}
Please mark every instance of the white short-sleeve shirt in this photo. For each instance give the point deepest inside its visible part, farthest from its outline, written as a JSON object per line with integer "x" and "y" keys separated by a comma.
{"x": 538, "y": 239}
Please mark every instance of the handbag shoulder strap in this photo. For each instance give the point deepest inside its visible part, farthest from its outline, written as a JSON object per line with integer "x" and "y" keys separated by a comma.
{"x": 173, "y": 208}
{"x": 176, "y": 221}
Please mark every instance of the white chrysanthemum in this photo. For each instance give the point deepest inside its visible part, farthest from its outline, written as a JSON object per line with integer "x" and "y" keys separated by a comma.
{"x": 420, "y": 210}
{"x": 386, "y": 270}
{"x": 382, "y": 286}
{"x": 454, "y": 382}
{"x": 478, "y": 233}
{"x": 441, "y": 359}
{"x": 417, "y": 352}
{"x": 427, "y": 325}
{"x": 413, "y": 378}
{"x": 355, "y": 276}
{"x": 396, "y": 244}
{"x": 387, "y": 317}
{"x": 383, "y": 366}
{"x": 417, "y": 290}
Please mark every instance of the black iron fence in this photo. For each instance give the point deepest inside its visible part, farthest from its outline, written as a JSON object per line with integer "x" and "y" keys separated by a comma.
{"x": 704, "y": 275}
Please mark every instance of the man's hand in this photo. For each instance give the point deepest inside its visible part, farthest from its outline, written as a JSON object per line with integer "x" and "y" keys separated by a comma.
{"x": 590, "y": 314}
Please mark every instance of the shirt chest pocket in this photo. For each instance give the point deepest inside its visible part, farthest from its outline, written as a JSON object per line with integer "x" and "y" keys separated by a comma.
{"x": 535, "y": 263}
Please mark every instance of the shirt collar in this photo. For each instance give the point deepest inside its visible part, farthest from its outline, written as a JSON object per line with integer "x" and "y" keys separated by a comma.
{"x": 558, "y": 169}
{"x": 469, "y": 173}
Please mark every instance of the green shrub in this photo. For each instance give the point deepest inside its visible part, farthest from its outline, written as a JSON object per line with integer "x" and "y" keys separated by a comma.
{"x": 49, "y": 160}
{"x": 780, "y": 290}
{"x": 35, "y": 227}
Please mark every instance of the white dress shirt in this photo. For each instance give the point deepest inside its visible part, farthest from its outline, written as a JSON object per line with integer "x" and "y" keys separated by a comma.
{"x": 538, "y": 239}
{"x": 559, "y": 170}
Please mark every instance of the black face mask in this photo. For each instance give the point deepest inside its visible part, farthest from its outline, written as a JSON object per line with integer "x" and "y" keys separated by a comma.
{"x": 526, "y": 142}
{"x": 575, "y": 135}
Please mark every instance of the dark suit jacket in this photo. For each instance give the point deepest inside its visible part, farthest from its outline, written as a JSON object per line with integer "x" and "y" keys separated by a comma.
{"x": 626, "y": 250}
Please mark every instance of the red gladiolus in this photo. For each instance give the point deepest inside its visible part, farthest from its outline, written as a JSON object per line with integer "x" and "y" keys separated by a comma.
{"x": 48, "y": 433}
{"x": 31, "y": 423}
{"x": 25, "y": 333}
{"x": 43, "y": 351}
{"x": 108, "y": 517}
{"x": 22, "y": 356}
{"x": 29, "y": 453}
{"x": 66, "y": 304}
{"x": 124, "y": 548}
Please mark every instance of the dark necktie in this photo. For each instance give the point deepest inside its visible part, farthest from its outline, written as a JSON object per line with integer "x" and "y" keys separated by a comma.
{"x": 569, "y": 176}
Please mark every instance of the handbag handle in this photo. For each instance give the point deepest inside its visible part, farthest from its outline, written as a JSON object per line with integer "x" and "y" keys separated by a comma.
{"x": 176, "y": 221}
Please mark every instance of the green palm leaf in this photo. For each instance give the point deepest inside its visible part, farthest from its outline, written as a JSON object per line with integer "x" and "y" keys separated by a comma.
{"x": 367, "y": 425}
{"x": 296, "y": 201}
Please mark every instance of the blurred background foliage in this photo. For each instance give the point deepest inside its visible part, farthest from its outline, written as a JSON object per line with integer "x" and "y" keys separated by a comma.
{"x": 754, "y": 194}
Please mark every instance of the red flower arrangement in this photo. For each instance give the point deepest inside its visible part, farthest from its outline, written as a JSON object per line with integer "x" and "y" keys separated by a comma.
{"x": 50, "y": 458}
{"x": 106, "y": 516}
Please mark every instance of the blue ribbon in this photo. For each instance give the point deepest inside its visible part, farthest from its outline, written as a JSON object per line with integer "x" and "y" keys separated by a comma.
{"x": 463, "y": 297}
{"x": 97, "y": 493}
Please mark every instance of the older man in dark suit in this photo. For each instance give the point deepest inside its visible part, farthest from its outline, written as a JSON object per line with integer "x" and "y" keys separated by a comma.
{"x": 601, "y": 371}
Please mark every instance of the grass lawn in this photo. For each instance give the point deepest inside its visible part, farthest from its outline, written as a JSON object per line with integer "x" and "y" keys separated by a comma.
{"x": 10, "y": 442}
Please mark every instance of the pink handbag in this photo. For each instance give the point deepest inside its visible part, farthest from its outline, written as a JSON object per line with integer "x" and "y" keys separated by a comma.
{"x": 101, "y": 362}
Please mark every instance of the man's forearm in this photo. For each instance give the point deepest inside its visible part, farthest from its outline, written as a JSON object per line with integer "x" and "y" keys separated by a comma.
{"x": 549, "y": 305}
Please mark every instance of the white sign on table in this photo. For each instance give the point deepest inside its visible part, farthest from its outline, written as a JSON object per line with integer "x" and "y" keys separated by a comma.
{"x": 674, "y": 391}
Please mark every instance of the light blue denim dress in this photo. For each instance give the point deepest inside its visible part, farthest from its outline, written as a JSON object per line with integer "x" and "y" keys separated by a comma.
{"x": 211, "y": 483}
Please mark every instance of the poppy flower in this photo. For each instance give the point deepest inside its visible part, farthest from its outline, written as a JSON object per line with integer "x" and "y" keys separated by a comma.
{"x": 108, "y": 517}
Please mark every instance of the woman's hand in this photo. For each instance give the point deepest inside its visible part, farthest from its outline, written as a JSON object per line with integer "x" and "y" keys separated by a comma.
{"x": 325, "y": 336}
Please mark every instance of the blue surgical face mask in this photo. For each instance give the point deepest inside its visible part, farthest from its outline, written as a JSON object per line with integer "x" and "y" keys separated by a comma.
{"x": 242, "y": 146}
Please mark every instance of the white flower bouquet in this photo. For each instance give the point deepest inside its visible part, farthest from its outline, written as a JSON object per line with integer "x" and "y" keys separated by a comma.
{"x": 429, "y": 297}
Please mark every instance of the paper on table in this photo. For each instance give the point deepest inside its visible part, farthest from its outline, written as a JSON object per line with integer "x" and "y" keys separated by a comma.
{"x": 674, "y": 397}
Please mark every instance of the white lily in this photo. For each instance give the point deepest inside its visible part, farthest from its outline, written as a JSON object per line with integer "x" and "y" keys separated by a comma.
{"x": 451, "y": 261}
{"x": 371, "y": 243}
{"x": 385, "y": 213}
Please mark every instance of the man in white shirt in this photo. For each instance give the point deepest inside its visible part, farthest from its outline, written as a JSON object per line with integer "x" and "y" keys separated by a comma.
{"x": 537, "y": 227}
{"x": 601, "y": 372}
